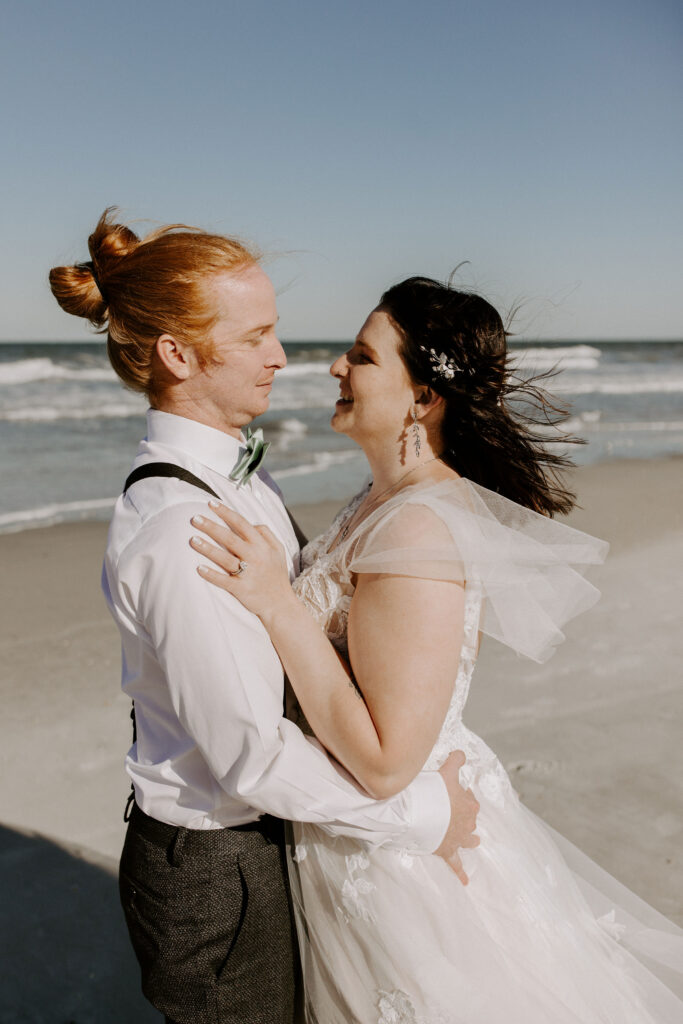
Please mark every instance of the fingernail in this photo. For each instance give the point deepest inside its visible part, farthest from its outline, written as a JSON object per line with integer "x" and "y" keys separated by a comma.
{"x": 203, "y": 570}
{"x": 198, "y": 541}
{"x": 214, "y": 504}
{"x": 197, "y": 520}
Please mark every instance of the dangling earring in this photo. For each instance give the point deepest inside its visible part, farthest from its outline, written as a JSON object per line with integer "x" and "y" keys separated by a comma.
{"x": 416, "y": 434}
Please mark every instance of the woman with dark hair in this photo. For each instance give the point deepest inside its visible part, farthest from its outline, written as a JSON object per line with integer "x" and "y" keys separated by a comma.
{"x": 452, "y": 539}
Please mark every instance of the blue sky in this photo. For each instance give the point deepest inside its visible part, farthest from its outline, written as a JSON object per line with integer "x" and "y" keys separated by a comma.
{"x": 361, "y": 143}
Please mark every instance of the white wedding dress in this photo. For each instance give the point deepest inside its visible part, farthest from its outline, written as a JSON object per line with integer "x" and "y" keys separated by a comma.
{"x": 540, "y": 935}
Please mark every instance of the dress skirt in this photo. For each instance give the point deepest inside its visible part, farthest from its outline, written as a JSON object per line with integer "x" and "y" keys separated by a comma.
{"x": 541, "y": 935}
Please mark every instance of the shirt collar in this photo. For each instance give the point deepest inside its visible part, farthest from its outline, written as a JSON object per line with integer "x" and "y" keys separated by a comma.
{"x": 213, "y": 448}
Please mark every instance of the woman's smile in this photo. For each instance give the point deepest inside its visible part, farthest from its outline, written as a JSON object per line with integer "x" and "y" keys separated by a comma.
{"x": 375, "y": 391}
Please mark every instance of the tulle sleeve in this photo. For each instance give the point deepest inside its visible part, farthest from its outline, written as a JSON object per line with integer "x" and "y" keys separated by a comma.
{"x": 528, "y": 568}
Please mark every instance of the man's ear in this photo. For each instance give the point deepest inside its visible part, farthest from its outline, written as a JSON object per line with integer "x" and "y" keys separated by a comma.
{"x": 178, "y": 358}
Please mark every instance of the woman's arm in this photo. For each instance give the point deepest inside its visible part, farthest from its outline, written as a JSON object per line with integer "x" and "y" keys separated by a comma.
{"x": 404, "y": 640}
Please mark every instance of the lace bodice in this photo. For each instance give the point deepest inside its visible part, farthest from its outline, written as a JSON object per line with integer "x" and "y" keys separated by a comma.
{"x": 326, "y": 586}
{"x": 522, "y": 572}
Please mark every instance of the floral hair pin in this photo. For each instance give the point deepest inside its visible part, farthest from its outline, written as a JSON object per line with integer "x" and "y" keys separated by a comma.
{"x": 441, "y": 364}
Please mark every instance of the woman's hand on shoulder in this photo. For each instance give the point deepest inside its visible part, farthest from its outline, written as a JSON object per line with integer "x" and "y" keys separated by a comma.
{"x": 249, "y": 562}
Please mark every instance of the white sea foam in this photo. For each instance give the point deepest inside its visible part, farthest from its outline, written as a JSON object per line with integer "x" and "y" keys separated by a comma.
{"x": 564, "y": 357}
{"x": 303, "y": 369}
{"x": 280, "y": 402}
{"x": 635, "y": 426}
{"x": 24, "y": 371}
{"x": 50, "y": 414}
{"x": 321, "y": 461}
{"x": 293, "y": 426}
{"x": 635, "y": 386}
{"x": 46, "y": 515}
{"x": 584, "y": 421}
{"x": 589, "y": 423}
{"x": 286, "y": 433}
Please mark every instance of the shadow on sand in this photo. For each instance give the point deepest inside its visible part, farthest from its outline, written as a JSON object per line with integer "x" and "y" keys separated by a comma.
{"x": 66, "y": 958}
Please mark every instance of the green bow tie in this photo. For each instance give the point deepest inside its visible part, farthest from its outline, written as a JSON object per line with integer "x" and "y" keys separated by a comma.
{"x": 252, "y": 455}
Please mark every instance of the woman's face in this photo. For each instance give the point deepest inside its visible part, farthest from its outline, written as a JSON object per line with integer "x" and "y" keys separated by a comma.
{"x": 376, "y": 392}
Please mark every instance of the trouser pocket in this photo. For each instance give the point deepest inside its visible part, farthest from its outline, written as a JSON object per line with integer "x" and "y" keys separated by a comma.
{"x": 182, "y": 919}
{"x": 256, "y": 981}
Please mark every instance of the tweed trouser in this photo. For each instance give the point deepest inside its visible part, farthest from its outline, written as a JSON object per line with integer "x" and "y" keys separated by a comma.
{"x": 209, "y": 917}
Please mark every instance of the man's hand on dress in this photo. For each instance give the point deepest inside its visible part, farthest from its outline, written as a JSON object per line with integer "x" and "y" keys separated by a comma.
{"x": 464, "y": 810}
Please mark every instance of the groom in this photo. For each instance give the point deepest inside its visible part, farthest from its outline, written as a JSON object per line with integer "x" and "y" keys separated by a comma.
{"x": 215, "y": 766}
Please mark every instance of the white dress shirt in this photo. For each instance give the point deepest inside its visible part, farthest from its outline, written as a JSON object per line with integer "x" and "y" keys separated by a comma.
{"x": 213, "y": 748}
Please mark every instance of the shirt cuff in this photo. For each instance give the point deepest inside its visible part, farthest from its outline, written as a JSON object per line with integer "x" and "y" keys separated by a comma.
{"x": 430, "y": 812}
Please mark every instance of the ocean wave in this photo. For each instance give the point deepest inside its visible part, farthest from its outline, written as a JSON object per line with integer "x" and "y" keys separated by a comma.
{"x": 46, "y": 515}
{"x": 583, "y": 421}
{"x": 289, "y": 426}
{"x": 291, "y": 401}
{"x": 51, "y": 414}
{"x": 303, "y": 369}
{"x": 569, "y": 357}
{"x": 24, "y": 371}
{"x": 321, "y": 461}
{"x": 641, "y": 426}
{"x": 657, "y": 385}
{"x": 592, "y": 423}
{"x": 285, "y": 433}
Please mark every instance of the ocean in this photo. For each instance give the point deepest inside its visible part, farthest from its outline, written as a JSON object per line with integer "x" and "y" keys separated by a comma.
{"x": 69, "y": 430}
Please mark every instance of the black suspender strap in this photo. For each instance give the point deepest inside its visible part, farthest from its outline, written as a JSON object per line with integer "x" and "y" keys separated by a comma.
{"x": 170, "y": 470}
{"x": 167, "y": 469}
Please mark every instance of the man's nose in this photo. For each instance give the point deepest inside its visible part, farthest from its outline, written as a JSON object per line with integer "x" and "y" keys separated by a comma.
{"x": 276, "y": 355}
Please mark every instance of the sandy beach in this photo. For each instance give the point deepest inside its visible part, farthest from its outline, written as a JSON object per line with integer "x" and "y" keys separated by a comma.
{"x": 592, "y": 738}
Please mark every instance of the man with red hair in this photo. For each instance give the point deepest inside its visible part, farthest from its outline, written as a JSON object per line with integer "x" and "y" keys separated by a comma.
{"x": 215, "y": 764}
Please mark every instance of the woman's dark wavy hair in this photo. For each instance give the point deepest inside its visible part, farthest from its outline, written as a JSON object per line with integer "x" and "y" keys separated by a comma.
{"x": 497, "y": 424}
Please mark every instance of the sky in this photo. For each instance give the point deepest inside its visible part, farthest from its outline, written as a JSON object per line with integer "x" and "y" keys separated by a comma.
{"x": 357, "y": 143}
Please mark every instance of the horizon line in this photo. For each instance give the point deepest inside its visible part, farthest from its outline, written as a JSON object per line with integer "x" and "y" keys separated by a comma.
{"x": 345, "y": 341}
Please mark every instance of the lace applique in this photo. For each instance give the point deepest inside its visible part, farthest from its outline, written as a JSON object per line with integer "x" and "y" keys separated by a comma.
{"x": 494, "y": 784}
{"x": 357, "y": 862}
{"x": 450, "y": 737}
{"x": 354, "y": 891}
{"x": 608, "y": 922}
{"x": 300, "y": 853}
{"x": 328, "y": 596}
{"x": 395, "y": 1008}
{"x": 318, "y": 547}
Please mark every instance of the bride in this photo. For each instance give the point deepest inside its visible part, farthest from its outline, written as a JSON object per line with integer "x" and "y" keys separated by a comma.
{"x": 451, "y": 540}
